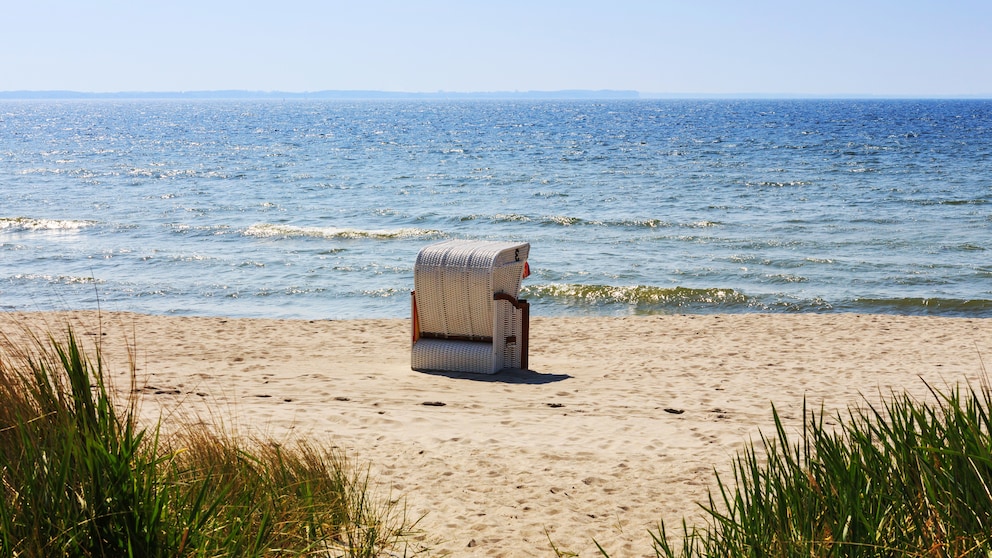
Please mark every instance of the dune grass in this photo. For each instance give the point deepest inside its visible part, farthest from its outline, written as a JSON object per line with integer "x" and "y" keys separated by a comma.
{"x": 80, "y": 477}
{"x": 904, "y": 478}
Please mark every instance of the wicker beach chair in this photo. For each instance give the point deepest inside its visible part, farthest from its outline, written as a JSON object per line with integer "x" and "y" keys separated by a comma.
{"x": 466, "y": 315}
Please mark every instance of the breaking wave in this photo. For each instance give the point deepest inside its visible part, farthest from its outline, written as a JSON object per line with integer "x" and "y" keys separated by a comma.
{"x": 24, "y": 224}
{"x": 571, "y": 294}
{"x": 645, "y": 299}
{"x": 569, "y": 221}
{"x": 266, "y": 230}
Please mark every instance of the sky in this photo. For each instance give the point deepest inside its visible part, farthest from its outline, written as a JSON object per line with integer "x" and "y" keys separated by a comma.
{"x": 915, "y": 48}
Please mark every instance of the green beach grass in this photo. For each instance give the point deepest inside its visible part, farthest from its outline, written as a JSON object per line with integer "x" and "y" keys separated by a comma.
{"x": 81, "y": 477}
{"x": 905, "y": 478}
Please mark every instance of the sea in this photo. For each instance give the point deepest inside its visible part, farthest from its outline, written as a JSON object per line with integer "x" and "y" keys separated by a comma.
{"x": 316, "y": 209}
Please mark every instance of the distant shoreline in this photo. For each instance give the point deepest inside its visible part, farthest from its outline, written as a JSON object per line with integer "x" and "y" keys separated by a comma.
{"x": 322, "y": 95}
{"x": 357, "y": 95}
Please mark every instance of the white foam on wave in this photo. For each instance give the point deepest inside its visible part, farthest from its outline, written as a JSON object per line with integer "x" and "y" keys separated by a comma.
{"x": 18, "y": 224}
{"x": 57, "y": 279}
{"x": 268, "y": 230}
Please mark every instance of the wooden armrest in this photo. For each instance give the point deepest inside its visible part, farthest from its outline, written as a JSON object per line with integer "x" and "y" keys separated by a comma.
{"x": 524, "y": 307}
{"x": 519, "y": 304}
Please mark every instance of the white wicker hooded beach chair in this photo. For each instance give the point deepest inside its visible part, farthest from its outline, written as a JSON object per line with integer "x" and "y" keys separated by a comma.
{"x": 466, "y": 315}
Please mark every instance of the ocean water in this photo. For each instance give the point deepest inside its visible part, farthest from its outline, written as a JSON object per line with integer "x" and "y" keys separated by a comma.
{"x": 317, "y": 209}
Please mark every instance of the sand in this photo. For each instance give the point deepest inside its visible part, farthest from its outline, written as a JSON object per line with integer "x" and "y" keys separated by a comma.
{"x": 619, "y": 423}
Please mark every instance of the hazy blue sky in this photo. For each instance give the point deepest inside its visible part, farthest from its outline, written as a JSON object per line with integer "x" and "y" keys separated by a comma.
{"x": 821, "y": 47}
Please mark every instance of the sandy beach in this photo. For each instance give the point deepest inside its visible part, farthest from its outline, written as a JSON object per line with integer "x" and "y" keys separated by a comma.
{"x": 619, "y": 423}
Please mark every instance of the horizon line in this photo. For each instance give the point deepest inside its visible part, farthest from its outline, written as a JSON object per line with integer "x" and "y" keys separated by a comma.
{"x": 372, "y": 94}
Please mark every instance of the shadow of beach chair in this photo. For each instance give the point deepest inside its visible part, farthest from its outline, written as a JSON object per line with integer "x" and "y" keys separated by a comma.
{"x": 466, "y": 314}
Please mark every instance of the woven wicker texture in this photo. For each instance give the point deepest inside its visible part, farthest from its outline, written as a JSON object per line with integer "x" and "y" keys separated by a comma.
{"x": 454, "y": 283}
